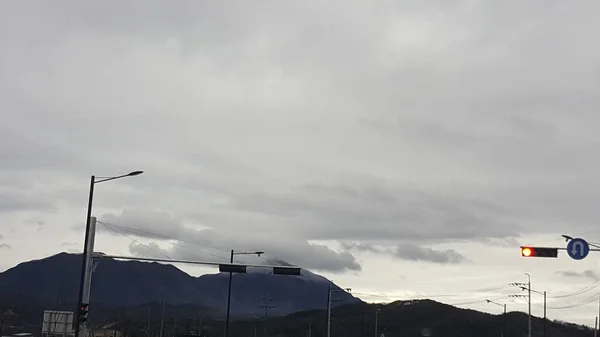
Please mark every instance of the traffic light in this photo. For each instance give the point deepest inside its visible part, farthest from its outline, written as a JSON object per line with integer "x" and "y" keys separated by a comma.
{"x": 294, "y": 271}
{"x": 539, "y": 252}
{"x": 232, "y": 268}
{"x": 83, "y": 313}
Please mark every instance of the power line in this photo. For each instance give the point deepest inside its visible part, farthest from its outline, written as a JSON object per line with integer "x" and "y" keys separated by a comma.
{"x": 580, "y": 291}
{"x": 136, "y": 241}
{"x": 161, "y": 238}
{"x": 587, "y": 301}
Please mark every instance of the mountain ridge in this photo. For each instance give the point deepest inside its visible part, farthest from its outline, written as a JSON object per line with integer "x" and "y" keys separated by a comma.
{"x": 132, "y": 283}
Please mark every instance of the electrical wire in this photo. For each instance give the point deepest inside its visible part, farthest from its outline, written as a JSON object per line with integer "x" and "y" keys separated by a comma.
{"x": 587, "y": 301}
{"x": 161, "y": 239}
{"x": 580, "y": 291}
{"x": 136, "y": 241}
{"x": 159, "y": 236}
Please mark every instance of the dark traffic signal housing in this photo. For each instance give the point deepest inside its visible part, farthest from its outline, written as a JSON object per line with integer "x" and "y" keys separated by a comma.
{"x": 292, "y": 271}
{"x": 242, "y": 269}
{"x": 539, "y": 252}
{"x": 83, "y": 313}
{"x": 232, "y": 268}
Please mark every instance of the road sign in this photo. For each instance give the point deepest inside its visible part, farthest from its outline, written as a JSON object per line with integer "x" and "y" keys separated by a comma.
{"x": 578, "y": 249}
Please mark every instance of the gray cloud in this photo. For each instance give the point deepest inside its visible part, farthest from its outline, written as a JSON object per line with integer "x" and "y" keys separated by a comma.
{"x": 588, "y": 274}
{"x": 409, "y": 251}
{"x": 435, "y": 122}
{"x": 382, "y": 212}
{"x": 413, "y": 252}
{"x": 502, "y": 242}
{"x": 5, "y": 246}
{"x": 360, "y": 247}
{"x": 214, "y": 244}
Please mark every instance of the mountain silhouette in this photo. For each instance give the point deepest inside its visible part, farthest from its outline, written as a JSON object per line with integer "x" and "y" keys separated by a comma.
{"x": 132, "y": 283}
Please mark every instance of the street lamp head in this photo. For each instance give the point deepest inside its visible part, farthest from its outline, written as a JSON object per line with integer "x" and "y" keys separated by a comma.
{"x": 348, "y": 289}
{"x": 135, "y": 173}
{"x": 259, "y": 253}
{"x": 567, "y": 238}
{"x": 488, "y": 301}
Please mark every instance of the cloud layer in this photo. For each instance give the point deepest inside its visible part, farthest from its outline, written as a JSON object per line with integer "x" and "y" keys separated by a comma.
{"x": 327, "y": 135}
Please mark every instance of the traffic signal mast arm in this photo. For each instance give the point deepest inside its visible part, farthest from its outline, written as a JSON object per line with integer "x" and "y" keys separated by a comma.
{"x": 552, "y": 252}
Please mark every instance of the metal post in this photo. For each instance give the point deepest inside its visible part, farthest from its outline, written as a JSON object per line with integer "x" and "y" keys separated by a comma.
{"x": 504, "y": 322}
{"x": 89, "y": 262}
{"x": 329, "y": 312}
{"x": 529, "y": 300}
{"x": 545, "y": 314}
{"x": 596, "y": 327}
{"x": 84, "y": 260}
{"x": 229, "y": 298}
{"x": 162, "y": 320}
{"x": 376, "y": 321}
{"x": 87, "y": 288}
{"x": 598, "y": 312}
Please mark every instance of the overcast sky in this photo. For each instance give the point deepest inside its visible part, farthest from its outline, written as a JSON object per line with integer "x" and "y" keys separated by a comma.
{"x": 404, "y": 148}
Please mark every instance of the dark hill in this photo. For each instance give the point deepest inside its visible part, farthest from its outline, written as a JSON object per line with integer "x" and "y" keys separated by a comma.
{"x": 132, "y": 283}
{"x": 412, "y": 318}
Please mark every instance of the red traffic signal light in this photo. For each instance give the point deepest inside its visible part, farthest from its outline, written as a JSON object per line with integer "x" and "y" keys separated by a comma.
{"x": 83, "y": 311}
{"x": 539, "y": 252}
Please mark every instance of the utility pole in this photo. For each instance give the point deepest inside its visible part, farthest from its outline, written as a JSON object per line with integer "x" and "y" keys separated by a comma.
{"x": 598, "y": 317}
{"x": 162, "y": 320}
{"x": 266, "y": 306}
{"x": 309, "y": 334}
{"x": 329, "y": 300}
{"x": 329, "y": 311}
{"x": 529, "y": 301}
{"x": 376, "y": 321}
{"x": 526, "y": 286}
{"x": 545, "y": 319}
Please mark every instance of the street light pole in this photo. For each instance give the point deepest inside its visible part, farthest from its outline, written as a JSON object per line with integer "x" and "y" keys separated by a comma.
{"x": 543, "y": 293}
{"x": 80, "y": 326}
{"x": 503, "y": 317}
{"x": 233, "y": 252}
{"x": 329, "y": 292}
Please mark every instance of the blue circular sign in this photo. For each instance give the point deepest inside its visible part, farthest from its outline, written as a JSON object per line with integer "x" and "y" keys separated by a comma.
{"x": 578, "y": 249}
